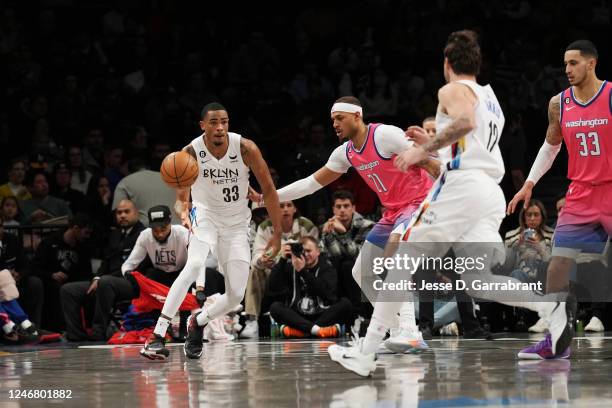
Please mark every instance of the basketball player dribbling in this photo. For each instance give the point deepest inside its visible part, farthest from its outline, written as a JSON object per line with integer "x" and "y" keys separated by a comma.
{"x": 370, "y": 150}
{"x": 581, "y": 116}
{"x": 219, "y": 219}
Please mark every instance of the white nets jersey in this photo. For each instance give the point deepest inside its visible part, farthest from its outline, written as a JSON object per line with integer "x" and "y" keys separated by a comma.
{"x": 221, "y": 189}
{"x": 169, "y": 256}
{"x": 480, "y": 148}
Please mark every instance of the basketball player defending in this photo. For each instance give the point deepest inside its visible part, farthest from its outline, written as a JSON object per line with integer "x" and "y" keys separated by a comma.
{"x": 581, "y": 116}
{"x": 219, "y": 219}
{"x": 464, "y": 205}
{"x": 370, "y": 150}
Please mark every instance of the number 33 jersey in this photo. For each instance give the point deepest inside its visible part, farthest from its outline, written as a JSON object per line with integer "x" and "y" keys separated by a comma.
{"x": 587, "y": 132}
{"x": 479, "y": 149}
{"x": 221, "y": 188}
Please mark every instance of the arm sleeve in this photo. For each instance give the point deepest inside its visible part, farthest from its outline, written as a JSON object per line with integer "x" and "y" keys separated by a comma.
{"x": 390, "y": 140}
{"x": 137, "y": 255}
{"x": 299, "y": 189}
{"x": 338, "y": 161}
{"x": 543, "y": 162}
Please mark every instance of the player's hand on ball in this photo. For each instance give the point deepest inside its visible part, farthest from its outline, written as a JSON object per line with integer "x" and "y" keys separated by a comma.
{"x": 524, "y": 194}
{"x": 410, "y": 157}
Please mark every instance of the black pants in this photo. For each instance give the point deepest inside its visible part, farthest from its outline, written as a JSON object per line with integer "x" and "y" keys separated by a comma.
{"x": 111, "y": 290}
{"x": 338, "y": 313}
{"x": 53, "y": 318}
{"x": 31, "y": 297}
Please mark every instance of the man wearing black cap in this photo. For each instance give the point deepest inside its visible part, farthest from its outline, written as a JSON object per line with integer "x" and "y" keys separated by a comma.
{"x": 162, "y": 247}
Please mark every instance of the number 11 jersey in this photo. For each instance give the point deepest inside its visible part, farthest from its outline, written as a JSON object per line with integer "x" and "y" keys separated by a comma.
{"x": 396, "y": 190}
{"x": 222, "y": 185}
{"x": 587, "y": 132}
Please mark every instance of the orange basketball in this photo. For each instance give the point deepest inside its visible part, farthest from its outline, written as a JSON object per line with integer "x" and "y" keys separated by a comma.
{"x": 179, "y": 170}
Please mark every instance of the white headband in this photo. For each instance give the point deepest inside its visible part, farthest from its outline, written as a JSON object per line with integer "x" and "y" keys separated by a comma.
{"x": 346, "y": 107}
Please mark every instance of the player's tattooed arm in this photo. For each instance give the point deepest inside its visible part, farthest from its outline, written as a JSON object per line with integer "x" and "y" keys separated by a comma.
{"x": 455, "y": 131}
{"x": 553, "y": 133}
{"x": 431, "y": 166}
{"x": 458, "y": 102}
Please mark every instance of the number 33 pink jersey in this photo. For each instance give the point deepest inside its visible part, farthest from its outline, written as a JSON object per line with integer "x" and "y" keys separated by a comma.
{"x": 587, "y": 132}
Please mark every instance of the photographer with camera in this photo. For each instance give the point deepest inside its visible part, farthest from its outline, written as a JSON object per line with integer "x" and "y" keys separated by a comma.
{"x": 303, "y": 291}
{"x": 294, "y": 227}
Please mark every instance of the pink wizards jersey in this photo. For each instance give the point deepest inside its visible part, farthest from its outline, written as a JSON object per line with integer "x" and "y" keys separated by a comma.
{"x": 587, "y": 132}
{"x": 396, "y": 190}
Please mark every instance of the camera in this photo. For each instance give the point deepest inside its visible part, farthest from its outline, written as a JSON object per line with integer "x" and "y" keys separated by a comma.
{"x": 297, "y": 249}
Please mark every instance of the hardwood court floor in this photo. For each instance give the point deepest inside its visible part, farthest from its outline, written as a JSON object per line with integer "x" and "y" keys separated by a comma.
{"x": 453, "y": 373}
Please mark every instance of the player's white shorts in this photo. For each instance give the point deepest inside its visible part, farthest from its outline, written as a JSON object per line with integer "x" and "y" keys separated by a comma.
{"x": 228, "y": 238}
{"x": 462, "y": 206}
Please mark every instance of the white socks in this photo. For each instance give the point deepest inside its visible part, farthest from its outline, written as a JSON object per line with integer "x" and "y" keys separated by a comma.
{"x": 162, "y": 326}
{"x": 8, "y": 327}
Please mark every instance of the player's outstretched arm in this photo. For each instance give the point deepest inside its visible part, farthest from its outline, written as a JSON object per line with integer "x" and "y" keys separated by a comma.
{"x": 308, "y": 185}
{"x": 458, "y": 102}
{"x": 545, "y": 158}
{"x": 302, "y": 187}
{"x": 251, "y": 155}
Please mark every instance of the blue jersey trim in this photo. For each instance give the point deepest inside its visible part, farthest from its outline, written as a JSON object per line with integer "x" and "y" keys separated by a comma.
{"x": 364, "y": 143}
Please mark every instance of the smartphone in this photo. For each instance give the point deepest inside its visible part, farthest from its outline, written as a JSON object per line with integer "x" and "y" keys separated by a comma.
{"x": 528, "y": 233}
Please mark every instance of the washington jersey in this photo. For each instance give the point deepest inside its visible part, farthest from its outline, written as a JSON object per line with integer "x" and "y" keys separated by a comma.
{"x": 221, "y": 189}
{"x": 587, "y": 132}
{"x": 479, "y": 149}
{"x": 374, "y": 163}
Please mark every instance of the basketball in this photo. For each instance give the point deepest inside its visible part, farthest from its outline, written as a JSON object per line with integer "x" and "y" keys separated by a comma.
{"x": 179, "y": 170}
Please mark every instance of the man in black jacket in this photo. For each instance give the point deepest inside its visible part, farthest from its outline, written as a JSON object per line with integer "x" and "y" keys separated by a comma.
{"x": 304, "y": 290}
{"x": 108, "y": 286}
{"x": 60, "y": 259}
